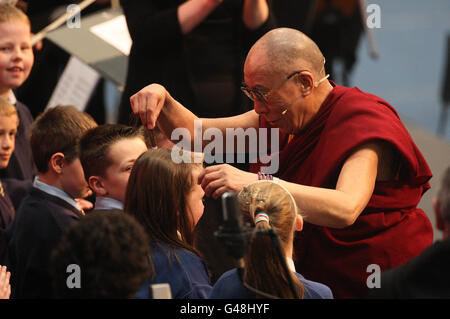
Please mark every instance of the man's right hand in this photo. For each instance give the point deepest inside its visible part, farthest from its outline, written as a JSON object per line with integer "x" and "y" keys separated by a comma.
{"x": 148, "y": 103}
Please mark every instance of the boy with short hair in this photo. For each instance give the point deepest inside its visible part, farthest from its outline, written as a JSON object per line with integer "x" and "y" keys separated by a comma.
{"x": 16, "y": 61}
{"x": 107, "y": 154}
{"x": 50, "y": 207}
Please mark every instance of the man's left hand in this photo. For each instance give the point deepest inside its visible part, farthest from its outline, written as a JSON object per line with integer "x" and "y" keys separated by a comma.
{"x": 218, "y": 179}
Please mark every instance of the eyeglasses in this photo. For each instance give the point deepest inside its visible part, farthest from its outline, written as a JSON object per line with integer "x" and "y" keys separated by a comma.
{"x": 255, "y": 94}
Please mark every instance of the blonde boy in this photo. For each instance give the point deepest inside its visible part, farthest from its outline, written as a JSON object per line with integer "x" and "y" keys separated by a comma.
{"x": 16, "y": 61}
{"x": 9, "y": 121}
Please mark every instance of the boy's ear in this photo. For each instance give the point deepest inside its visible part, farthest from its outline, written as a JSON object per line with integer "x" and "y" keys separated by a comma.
{"x": 95, "y": 182}
{"x": 56, "y": 163}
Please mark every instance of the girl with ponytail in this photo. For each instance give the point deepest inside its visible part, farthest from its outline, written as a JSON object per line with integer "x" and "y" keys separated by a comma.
{"x": 271, "y": 209}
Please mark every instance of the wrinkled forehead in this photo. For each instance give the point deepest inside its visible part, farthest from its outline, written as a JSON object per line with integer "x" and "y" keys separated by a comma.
{"x": 258, "y": 70}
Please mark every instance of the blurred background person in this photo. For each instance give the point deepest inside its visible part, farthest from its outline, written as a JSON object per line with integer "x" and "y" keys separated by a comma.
{"x": 195, "y": 48}
{"x": 335, "y": 25}
{"x": 425, "y": 276}
{"x": 441, "y": 205}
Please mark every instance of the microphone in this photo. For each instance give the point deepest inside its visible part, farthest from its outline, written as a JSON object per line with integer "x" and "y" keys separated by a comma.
{"x": 284, "y": 112}
{"x": 233, "y": 233}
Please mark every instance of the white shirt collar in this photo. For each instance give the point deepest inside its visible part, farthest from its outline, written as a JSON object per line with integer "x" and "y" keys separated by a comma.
{"x": 107, "y": 203}
{"x": 55, "y": 192}
{"x": 12, "y": 98}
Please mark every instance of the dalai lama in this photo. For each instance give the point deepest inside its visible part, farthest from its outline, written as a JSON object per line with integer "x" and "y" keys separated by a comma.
{"x": 345, "y": 156}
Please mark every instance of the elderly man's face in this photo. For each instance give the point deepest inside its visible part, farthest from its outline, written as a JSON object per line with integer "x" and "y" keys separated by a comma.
{"x": 275, "y": 96}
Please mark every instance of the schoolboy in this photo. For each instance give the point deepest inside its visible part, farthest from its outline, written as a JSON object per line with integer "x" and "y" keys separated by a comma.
{"x": 16, "y": 61}
{"x": 8, "y": 129}
{"x": 50, "y": 208}
{"x": 107, "y": 154}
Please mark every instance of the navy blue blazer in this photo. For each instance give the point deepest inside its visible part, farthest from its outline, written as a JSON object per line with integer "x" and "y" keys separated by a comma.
{"x": 36, "y": 229}
{"x": 229, "y": 286}
{"x": 6, "y": 209}
{"x": 184, "y": 271}
{"x": 6, "y": 217}
{"x": 423, "y": 277}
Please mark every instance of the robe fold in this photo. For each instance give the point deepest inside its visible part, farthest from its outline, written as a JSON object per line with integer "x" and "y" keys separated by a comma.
{"x": 391, "y": 230}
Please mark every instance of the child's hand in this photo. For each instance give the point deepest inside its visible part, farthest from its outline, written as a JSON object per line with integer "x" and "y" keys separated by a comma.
{"x": 5, "y": 287}
{"x": 84, "y": 204}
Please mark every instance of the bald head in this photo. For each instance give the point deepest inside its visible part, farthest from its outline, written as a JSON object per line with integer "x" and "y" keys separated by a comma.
{"x": 285, "y": 50}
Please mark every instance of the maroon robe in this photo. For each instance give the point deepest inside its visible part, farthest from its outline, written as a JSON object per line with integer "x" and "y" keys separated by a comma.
{"x": 391, "y": 230}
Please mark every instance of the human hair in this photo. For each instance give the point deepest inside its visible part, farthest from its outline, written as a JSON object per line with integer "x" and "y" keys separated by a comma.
{"x": 58, "y": 129}
{"x": 7, "y": 109}
{"x": 96, "y": 143}
{"x": 263, "y": 269}
{"x": 444, "y": 196}
{"x": 111, "y": 251}
{"x": 156, "y": 196}
{"x": 9, "y": 13}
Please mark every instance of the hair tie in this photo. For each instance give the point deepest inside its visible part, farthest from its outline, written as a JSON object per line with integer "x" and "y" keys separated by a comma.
{"x": 261, "y": 217}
